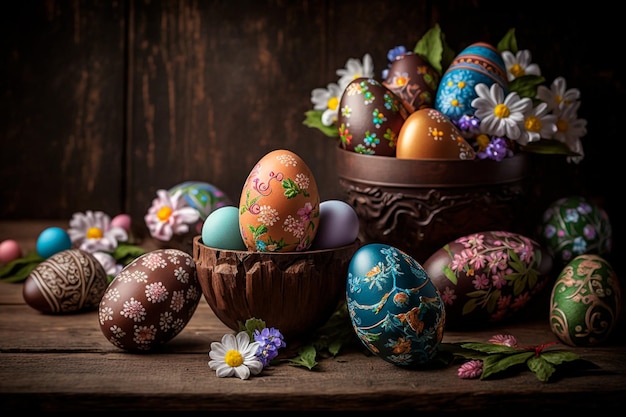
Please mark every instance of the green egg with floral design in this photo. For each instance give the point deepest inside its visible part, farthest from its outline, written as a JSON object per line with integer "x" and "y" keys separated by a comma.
{"x": 585, "y": 302}
{"x": 573, "y": 226}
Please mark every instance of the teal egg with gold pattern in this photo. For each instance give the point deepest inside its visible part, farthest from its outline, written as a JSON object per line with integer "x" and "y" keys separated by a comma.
{"x": 395, "y": 310}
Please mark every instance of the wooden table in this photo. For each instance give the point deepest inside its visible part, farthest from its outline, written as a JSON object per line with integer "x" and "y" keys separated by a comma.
{"x": 64, "y": 363}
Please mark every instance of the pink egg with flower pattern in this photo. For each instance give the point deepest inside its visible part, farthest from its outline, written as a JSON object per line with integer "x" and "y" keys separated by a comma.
{"x": 488, "y": 277}
{"x": 279, "y": 204}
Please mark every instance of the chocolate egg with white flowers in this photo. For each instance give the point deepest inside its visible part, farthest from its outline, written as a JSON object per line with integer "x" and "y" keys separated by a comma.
{"x": 69, "y": 281}
{"x": 370, "y": 118}
{"x": 150, "y": 301}
{"x": 488, "y": 277}
{"x": 395, "y": 309}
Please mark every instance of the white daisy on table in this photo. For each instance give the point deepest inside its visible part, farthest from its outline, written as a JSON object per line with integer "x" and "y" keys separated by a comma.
{"x": 500, "y": 115}
{"x": 169, "y": 215}
{"x": 355, "y": 69}
{"x": 538, "y": 124}
{"x": 327, "y": 100}
{"x": 92, "y": 231}
{"x": 519, "y": 64}
{"x": 235, "y": 356}
{"x": 558, "y": 96}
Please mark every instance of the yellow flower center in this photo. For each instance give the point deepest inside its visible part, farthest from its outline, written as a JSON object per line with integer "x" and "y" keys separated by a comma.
{"x": 558, "y": 99}
{"x": 332, "y": 103}
{"x": 233, "y": 358}
{"x": 532, "y": 124}
{"x": 164, "y": 213}
{"x": 461, "y": 84}
{"x": 501, "y": 111}
{"x": 517, "y": 70}
{"x": 455, "y": 103}
{"x": 401, "y": 81}
{"x": 437, "y": 134}
{"x": 562, "y": 125}
{"x": 94, "y": 233}
{"x": 483, "y": 141}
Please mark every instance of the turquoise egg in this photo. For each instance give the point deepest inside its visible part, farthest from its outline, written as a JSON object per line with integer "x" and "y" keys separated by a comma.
{"x": 202, "y": 196}
{"x": 51, "y": 241}
{"x": 476, "y": 64}
{"x": 221, "y": 229}
{"x": 395, "y": 309}
{"x": 585, "y": 302}
{"x": 573, "y": 226}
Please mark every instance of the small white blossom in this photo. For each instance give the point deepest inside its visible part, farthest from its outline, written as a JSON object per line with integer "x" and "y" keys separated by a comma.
{"x": 519, "y": 64}
{"x": 558, "y": 96}
{"x": 538, "y": 124}
{"x": 355, "y": 69}
{"x": 169, "y": 215}
{"x": 235, "y": 356}
{"x": 570, "y": 129}
{"x": 92, "y": 232}
{"x": 108, "y": 262}
{"x": 499, "y": 115}
{"x": 327, "y": 99}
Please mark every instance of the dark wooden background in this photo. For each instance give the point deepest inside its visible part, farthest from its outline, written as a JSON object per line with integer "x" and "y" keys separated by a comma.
{"x": 104, "y": 102}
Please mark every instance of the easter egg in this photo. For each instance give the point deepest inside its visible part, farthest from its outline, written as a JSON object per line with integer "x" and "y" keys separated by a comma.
{"x": 10, "y": 250}
{"x": 279, "y": 204}
{"x": 370, "y": 117}
{"x": 489, "y": 277}
{"x": 585, "y": 302}
{"x": 479, "y": 63}
{"x": 338, "y": 225}
{"x": 69, "y": 281}
{"x": 202, "y": 196}
{"x": 150, "y": 301}
{"x": 413, "y": 80}
{"x": 221, "y": 229}
{"x": 572, "y": 226}
{"x": 395, "y": 310}
{"x": 52, "y": 240}
{"x": 428, "y": 134}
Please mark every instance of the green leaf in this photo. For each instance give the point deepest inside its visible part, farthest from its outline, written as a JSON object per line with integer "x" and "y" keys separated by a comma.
{"x": 432, "y": 47}
{"x": 19, "y": 269}
{"x": 548, "y": 146}
{"x": 489, "y": 348}
{"x": 541, "y": 368}
{"x": 125, "y": 253}
{"x": 314, "y": 119}
{"x": 526, "y": 85}
{"x": 449, "y": 273}
{"x": 305, "y": 358}
{"x": 557, "y": 357}
{"x": 495, "y": 364}
{"x": 508, "y": 42}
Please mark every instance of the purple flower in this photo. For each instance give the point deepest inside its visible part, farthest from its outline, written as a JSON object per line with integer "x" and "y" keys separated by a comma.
{"x": 471, "y": 369}
{"x": 496, "y": 150}
{"x": 504, "y": 340}
{"x": 270, "y": 340}
{"x": 392, "y": 54}
{"x": 470, "y": 124}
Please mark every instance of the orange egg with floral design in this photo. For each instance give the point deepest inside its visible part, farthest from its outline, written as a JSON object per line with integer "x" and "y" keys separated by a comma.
{"x": 279, "y": 204}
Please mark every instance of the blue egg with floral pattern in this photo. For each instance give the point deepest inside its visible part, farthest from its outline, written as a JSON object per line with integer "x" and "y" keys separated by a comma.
{"x": 476, "y": 64}
{"x": 395, "y": 309}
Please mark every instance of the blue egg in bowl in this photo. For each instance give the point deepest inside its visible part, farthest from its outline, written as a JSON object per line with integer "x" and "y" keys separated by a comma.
{"x": 395, "y": 309}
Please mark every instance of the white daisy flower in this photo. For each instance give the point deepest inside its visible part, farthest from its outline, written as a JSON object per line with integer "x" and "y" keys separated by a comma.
{"x": 570, "y": 129}
{"x": 355, "y": 69}
{"x": 169, "y": 215}
{"x": 538, "y": 124}
{"x": 327, "y": 99}
{"x": 519, "y": 64}
{"x": 557, "y": 96}
{"x": 92, "y": 231}
{"x": 499, "y": 115}
{"x": 235, "y": 356}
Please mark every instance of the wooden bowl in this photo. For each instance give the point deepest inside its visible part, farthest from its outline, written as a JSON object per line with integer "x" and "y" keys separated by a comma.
{"x": 294, "y": 292}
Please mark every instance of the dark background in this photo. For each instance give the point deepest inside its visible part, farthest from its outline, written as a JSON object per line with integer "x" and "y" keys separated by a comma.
{"x": 104, "y": 102}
